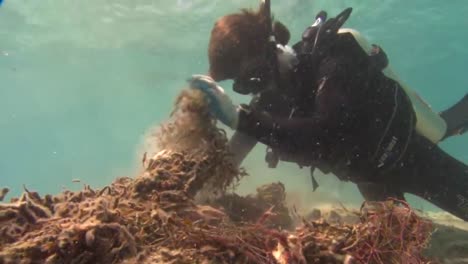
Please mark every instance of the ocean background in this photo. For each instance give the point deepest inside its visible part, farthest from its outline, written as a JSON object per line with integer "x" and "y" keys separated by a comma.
{"x": 82, "y": 82}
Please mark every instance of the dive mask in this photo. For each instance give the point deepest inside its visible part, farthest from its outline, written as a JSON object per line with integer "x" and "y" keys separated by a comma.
{"x": 261, "y": 73}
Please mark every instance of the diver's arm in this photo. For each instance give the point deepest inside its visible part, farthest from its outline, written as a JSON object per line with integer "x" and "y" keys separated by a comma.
{"x": 331, "y": 113}
{"x": 273, "y": 131}
{"x": 240, "y": 146}
{"x": 224, "y": 110}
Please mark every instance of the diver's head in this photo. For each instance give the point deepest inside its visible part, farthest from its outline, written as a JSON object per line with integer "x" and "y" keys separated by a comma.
{"x": 240, "y": 48}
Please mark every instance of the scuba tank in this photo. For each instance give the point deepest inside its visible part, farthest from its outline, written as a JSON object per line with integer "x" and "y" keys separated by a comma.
{"x": 429, "y": 123}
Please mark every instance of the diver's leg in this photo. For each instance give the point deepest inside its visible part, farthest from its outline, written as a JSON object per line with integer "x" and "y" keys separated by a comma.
{"x": 432, "y": 174}
{"x": 278, "y": 132}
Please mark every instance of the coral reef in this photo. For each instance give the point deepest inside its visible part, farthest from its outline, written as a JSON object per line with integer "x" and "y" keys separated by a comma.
{"x": 154, "y": 217}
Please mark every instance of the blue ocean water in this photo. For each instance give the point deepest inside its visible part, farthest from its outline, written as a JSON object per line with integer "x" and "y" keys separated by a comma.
{"x": 81, "y": 82}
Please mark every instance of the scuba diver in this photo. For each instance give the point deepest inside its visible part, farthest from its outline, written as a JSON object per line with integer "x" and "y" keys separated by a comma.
{"x": 331, "y": 102}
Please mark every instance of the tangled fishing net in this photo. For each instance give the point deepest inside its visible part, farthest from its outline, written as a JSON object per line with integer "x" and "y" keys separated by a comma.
{"x": 153, "y": 218}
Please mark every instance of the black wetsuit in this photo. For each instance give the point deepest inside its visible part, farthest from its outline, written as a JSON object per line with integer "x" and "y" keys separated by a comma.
{"x": 341, "y": 114}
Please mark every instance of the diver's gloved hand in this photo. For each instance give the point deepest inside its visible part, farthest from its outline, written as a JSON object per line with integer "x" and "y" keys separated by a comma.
{"x": 219, "y": 102}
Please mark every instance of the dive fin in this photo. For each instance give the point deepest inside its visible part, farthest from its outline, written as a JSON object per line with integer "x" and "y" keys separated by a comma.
{"x": 456, "y": 118}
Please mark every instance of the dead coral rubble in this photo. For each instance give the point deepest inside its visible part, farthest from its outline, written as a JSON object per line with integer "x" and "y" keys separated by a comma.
{"x": 114, "y": 225}
{"x": 154, "y": 218}
{"x": 269, "y": 202}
